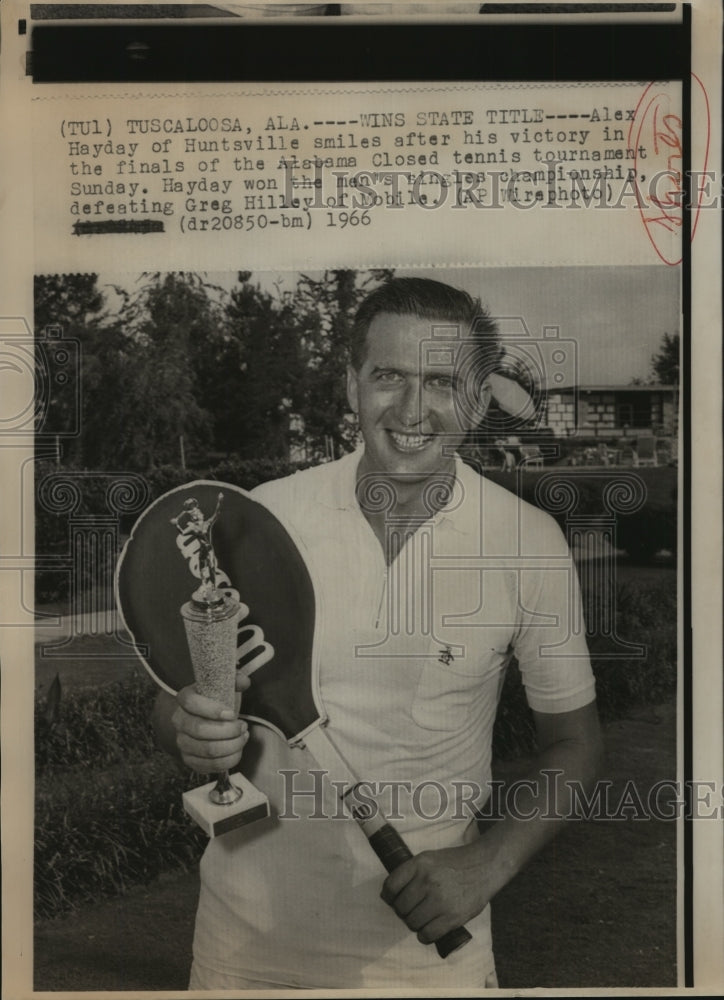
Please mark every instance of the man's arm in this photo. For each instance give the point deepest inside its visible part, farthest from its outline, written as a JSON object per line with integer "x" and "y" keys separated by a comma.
{"x": 438, "y": 890}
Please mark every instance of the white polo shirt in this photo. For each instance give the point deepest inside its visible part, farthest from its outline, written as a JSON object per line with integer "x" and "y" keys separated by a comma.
{"x": 411, "y": 662}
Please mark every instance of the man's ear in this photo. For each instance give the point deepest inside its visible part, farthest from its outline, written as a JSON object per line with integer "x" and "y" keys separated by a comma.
{"x": 352, "y": 389}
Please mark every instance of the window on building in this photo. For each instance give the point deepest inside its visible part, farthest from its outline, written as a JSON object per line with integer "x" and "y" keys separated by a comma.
{"x": 634, "y": 410}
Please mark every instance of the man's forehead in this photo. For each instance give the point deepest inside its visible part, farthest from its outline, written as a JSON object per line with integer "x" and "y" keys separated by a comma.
{"x": 434, "y": 341}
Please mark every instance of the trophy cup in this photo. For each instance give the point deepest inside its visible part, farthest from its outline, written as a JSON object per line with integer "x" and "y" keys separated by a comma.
{"x": 211, "y": 620}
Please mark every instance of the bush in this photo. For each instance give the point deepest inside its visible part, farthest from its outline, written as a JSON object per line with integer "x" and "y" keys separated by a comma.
{"x": 98, "y": 833}
{"x": 251, "y": 472}
{"x": 647, "y": 532}
{"x": 246, "y": 473}
{"x": 96, "y": 729}
{"x": 168, "y": 477}
{"x": 641, "y": 534}
{"x": 646, "y": 615}
{"x": 108, "y": 810}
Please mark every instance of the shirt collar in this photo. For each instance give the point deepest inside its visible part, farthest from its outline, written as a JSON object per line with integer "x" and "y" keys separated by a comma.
{"x": 461, "y": 511}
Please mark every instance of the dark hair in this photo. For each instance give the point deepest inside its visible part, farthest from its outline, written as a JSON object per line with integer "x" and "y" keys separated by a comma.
{"x": 426, "y": 299}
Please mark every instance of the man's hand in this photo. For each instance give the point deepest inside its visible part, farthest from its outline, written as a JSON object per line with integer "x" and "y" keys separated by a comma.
{"x": 437, "y": 891}
{"x": 207, "y": 736}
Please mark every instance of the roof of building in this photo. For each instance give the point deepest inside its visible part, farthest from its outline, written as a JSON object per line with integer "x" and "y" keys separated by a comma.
{"x": 657, "y": 387}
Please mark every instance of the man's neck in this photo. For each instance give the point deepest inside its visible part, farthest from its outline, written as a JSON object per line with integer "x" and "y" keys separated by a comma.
{"x": 395, "y": 508}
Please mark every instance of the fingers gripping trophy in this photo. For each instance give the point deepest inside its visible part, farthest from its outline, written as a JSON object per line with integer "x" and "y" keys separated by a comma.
{"x": 211, "y": 621}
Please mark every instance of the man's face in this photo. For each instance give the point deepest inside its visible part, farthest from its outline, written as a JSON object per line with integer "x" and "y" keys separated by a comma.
{"x": 407, "y": 397}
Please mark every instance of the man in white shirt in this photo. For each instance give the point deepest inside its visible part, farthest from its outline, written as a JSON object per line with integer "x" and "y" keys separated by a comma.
{"x": 428, "y": 578}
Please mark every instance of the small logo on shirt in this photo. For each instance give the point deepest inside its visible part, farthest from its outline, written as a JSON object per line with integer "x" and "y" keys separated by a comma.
{"x": 446, "y": 657}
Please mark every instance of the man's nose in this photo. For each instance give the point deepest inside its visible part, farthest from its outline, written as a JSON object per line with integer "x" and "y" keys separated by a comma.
{"x": 411, "y": 405}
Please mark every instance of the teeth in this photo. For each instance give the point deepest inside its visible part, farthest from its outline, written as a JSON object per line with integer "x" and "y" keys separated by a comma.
{"x": 410, "y": 442}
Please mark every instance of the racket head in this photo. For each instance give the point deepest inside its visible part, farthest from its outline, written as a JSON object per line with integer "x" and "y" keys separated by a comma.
{"x": 262, "y": 562}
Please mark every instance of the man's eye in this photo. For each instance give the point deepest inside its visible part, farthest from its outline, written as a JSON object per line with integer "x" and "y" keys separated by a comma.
{"x": 441, "y": 382}
{"x": 388, "y": 377}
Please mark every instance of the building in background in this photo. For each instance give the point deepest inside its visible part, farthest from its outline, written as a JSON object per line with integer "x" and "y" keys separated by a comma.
{"x": 613, "y": 411}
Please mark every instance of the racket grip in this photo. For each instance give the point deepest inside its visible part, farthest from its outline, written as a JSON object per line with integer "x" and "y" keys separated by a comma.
{"x": 392, "y": 850}
{"x": 389, "y": 847}
{"x": 453, "y": 940}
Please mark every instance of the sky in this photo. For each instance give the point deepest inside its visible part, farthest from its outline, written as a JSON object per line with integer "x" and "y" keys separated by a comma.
{"x": 616, "y": 316}
{"x": 610, "y": 320}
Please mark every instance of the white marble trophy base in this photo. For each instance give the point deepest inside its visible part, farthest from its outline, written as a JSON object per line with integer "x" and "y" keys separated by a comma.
{"x": 216, "y": 820}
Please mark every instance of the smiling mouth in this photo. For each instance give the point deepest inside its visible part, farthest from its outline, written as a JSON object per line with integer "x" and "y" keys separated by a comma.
{"x": 409, "y": 442}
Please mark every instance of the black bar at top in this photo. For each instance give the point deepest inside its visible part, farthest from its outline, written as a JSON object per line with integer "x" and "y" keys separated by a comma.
{"x": 97, "y": 11}
{"x": 338, "y": 52}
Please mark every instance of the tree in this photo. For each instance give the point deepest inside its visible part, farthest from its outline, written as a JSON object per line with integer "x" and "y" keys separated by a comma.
{"x": 248, "y": 372}
{"x": 68, "y": 311}
{"x": 66, "y": 300}
{"x": 665, "y": 363}
{"x": 253, "y": 387}
{"x": 140, "y": 365}
{"x": 170, "y": 325}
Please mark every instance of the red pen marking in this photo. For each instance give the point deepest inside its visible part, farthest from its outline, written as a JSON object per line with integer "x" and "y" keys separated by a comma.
{"x": 702, "y": 184}
{"x": 661, "y": 202}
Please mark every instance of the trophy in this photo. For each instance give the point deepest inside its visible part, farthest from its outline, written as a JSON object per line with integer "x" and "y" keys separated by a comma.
{"x": 211, "y": 619}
